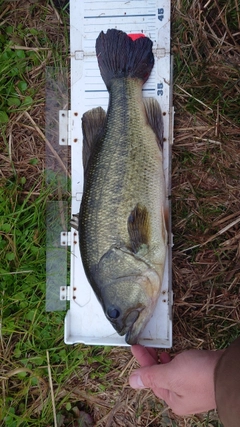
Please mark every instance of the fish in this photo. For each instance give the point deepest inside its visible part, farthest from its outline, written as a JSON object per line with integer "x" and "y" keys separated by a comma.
{"x": 122, "y": 217}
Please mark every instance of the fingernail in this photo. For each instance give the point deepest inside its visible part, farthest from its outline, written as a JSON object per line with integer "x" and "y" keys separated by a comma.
{"x": 136, "y": 382}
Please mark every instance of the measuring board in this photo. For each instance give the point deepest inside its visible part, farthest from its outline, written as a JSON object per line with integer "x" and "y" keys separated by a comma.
{"x": 85, "y": 321}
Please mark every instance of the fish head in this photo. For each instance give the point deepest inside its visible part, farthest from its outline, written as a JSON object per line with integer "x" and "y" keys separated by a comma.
{"x": 129, "y": 302}
{"x": 128, "y": 288}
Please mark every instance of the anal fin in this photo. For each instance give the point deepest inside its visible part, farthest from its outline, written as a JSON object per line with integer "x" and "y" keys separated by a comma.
{"x": 74, "y": 222}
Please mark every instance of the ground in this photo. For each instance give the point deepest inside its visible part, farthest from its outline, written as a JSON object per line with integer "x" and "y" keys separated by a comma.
{"x": 93, "y": 381}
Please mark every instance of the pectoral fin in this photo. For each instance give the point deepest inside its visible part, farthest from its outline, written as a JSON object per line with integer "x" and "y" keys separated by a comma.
{"x": 155, "y": 118}
{"x": 138, "y": 227}
{"x": 92, "y": 125}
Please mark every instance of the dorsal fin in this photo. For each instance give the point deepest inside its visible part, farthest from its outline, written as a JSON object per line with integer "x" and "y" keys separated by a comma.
{"x": 92, "y": 126}
{"x": 155, "y": 118}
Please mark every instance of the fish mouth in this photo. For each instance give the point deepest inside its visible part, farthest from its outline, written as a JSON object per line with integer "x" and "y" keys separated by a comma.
{"x": 133, "y": 330}
{"x": 132, "y": 336}
{"x": 128, "y": 326}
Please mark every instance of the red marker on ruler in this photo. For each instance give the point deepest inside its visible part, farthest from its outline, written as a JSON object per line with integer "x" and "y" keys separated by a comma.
{"x": 135, "y": 36}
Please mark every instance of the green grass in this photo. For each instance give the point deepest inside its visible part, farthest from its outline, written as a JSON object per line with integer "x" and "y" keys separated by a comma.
{"x": 15, "y": 94}
{"x": 17, "y": 63}
{"x": 27, "y": 331}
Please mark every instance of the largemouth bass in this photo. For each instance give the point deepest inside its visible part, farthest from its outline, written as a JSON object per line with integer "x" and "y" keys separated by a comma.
{"x": 122, "y": 230}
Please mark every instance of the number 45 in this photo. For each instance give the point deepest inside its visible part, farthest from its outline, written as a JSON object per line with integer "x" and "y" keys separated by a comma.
{"x": 160, "y": 14}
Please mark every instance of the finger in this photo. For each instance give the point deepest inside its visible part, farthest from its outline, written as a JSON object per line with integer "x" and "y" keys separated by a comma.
{"x": 138, "y": 380}
{"x": 145, "y": 356}
{"x": 154, "y": 377}
{"x": 165, "y": 357}
{"x": 153, "y": 353}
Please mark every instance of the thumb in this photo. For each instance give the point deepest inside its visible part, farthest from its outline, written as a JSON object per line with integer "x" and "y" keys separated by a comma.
{"x": 135, "y": 380}
{"x": 155, "y": 376}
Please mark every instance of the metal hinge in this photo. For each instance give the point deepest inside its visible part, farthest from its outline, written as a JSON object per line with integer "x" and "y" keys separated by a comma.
{"x": 65, "y": 238}
{"x": 80, "y": 54}
{"x": 160, "y": 52}
{"x": 64, "y": 127}
{"x": 65, "y": 294}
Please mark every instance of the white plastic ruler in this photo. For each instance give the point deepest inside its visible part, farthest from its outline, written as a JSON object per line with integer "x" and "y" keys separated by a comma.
{"x": 85, "y": 321}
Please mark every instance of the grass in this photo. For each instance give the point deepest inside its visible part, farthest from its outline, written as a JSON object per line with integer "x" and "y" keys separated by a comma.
{"x": 205, "y": 210}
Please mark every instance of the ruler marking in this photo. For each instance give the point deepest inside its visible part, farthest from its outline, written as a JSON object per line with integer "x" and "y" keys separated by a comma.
{"x": 120, "y": 16}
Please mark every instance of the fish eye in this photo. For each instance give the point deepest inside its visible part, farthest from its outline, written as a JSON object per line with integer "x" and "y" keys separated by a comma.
{"x": 113, "y": 313}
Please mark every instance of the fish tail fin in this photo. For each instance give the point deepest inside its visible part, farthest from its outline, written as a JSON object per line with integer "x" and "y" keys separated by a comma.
{"x": 119, "y": 56}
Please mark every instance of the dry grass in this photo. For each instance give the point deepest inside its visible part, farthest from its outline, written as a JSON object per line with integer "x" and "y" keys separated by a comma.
{"x": 23, "y": 148}
{"x": 205, "y": 209}
{"x": 206, "y": 166}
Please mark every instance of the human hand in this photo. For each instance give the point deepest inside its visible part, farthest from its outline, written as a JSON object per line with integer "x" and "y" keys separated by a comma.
{"x": 185, "y": 383}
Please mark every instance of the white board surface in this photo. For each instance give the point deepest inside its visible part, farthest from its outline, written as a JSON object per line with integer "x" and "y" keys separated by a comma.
{"x": 85, "y": 321}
